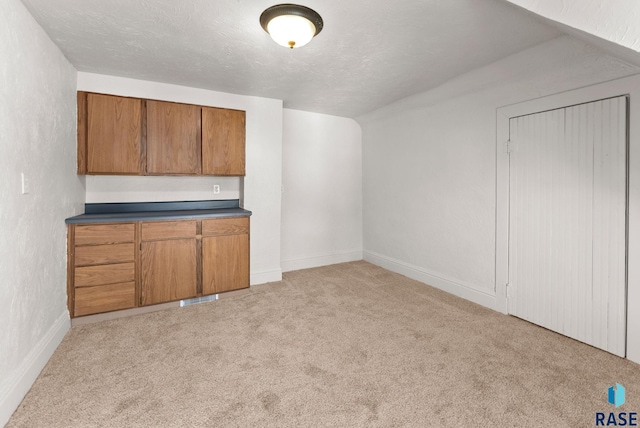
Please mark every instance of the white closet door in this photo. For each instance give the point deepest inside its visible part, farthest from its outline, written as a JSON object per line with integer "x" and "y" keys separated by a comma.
{"x": 567, "y": 221}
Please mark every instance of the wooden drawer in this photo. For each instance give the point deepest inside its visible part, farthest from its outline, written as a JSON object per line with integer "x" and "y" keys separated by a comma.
{"x": 152, "y": 231}
{"x": 225, "y": 226}
{"x": 104, "y": 274}
{"x": 91, "y": 234}
{"x": 104, "y": 254}
{"x": 104, "y": 298}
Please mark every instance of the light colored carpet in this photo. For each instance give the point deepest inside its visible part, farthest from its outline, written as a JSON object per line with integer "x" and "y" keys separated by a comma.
{"x": 339, "y": 346}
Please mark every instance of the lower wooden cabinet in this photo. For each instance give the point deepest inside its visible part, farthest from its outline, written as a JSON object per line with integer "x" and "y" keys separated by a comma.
{"x": 225, "y": 254}
{"x": 125, "y": 265}
{"x": 169, "y": 271}
{"x": 225, "y": 263}
{"x": 101, "y": 268}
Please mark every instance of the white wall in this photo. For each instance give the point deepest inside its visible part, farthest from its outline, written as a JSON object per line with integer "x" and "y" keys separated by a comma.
{"x": 322, "y": 190}
{"x": 261, "y": 185}
{"x": 37, "y": 137}
{"x": 429, "y": 166}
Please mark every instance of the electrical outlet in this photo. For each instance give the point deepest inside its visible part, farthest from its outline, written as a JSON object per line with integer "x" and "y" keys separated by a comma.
{"x": 216, "y": 189}
{"x": 25, "y": 183}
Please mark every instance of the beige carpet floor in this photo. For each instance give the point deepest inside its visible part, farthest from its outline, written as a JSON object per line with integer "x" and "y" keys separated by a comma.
{"x": 349, "y": 345}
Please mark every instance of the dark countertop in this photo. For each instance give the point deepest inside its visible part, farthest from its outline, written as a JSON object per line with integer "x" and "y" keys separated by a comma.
{"x": 119, "y": 212}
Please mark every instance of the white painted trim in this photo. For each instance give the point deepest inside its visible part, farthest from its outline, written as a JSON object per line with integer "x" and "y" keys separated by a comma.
{"x": 21, "y": 380}
{"x": 453, "y": 286}
{"x": 321, "y": 260}
{"x": 265, "y": 276}
{"x": 584, "y": 95}
{"x": 625, "y": 86}
{"x": 502, "y": 212}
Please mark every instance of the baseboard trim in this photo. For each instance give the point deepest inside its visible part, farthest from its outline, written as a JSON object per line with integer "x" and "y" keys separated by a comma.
{"x": 108, "y": 316}
{"x": 21, "y": 380}
{"x": 452, "y": 286}
{"x": 265, "y": 276}
{"x": 321, "y": 260}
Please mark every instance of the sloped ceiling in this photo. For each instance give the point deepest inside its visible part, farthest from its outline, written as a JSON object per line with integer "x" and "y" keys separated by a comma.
{"x": 369, "y": 54}
{"x": 614, "y": 21}
{"x": 611, "y": 26}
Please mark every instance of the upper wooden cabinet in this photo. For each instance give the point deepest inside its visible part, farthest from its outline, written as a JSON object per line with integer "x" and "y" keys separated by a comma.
{"x": 223, "y": 141}
{"x": 110, "y": 134}
{"x": 173, "y": 138}
{"x": 131, "y": 136}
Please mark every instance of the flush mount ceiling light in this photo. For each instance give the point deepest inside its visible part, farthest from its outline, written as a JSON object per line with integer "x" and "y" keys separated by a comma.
{"x": 291, "y": 25}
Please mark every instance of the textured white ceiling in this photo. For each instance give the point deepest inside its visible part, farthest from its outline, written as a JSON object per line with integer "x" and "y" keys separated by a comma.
{"x": 369, "y": 53}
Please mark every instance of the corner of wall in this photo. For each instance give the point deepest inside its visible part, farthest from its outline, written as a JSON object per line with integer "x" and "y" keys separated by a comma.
{"x": 465, "y": 290}
{"x": 322, "y": 190}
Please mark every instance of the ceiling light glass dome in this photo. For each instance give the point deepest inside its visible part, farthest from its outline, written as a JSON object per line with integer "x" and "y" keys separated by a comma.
{"x": 291, "y": 25}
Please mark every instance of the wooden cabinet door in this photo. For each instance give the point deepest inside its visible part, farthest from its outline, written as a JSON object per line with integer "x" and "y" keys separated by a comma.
{"x": 114, "y": 135}
{"x": 168, "y": 270}
{"x": 223, "y": 141}
{"x": 225, "y": 263}
{"x": 173, "y": 138}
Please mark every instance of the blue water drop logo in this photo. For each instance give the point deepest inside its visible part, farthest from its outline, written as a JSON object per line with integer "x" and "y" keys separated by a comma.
{"x": 616, "y": 395}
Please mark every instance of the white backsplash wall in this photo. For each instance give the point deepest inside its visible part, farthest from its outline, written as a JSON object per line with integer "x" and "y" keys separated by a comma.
{"x": 38, "y": 139}
{"x": 120, "y": 188}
